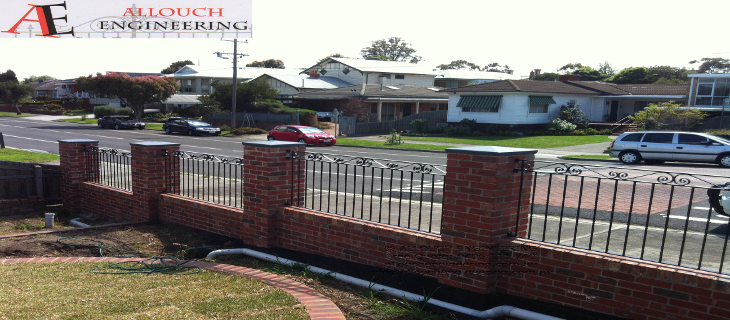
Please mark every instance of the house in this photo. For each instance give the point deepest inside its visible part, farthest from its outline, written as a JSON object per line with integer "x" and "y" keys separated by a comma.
{"x": 375, "y": 102}
{"x": 456, "y": 78}
{"x": 529, "y": 102}
{"x": 45, "y": 88}
{"x": 362, "y": 71}
{"x": 289, "y": 85}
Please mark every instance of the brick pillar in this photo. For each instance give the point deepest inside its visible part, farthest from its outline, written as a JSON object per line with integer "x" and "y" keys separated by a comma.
{"x": 148, "y": 177}
{"x": 267, "y": 180}
{"x": 73, "y": 171}
{"x": 481, "y": 196}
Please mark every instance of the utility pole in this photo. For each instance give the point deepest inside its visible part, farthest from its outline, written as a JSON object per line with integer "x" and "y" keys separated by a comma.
{"x": 235, "y": 77}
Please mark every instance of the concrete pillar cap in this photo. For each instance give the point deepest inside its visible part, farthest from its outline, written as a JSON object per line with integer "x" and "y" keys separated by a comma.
{"x": 492, "y": 151}
{"x": 273, "y": 144}
{"x": 154, "y": 144}
{"x": 78, "y": 141}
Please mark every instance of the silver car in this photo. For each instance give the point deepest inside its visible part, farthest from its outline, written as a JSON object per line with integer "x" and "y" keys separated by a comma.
{"x": 655, "y": 147}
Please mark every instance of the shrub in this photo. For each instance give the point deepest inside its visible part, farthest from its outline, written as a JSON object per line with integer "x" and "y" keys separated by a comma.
{"x": 437, "y": 130}
{"x": 572, "y": 113}
{"x": 247, "y": 130}
{"x": 607, "y": 132}
{"x": 471, "y": 124}
{"x": 103, "y": 111}
{"x": 477, "y": 133}
{"x": 560, "y": 125}
{"x": 226, "y": 128}
{"x": 458, "y": 131}
{"x": 420, "y": 125}
{"x": 491, "y": 129}
{"x": 592, "y": 131}
{"x": 50, "y": 107}
{"x": 162, "y": 117}
{"x": 198, "y": 111}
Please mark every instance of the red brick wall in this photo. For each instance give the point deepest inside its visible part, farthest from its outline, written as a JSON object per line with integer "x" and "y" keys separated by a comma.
{"x": 106, "y": 201}
{"x": 615, "y": 285}
{"x": 217, "y": 218}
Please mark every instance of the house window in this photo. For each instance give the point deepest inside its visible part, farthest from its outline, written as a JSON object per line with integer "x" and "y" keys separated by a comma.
{"x": 479, "y": 103}
{"x": 387, "y": 76}
{"x": 540, "y": 104}
{"x": 187, "y": 86}
{"x": 434, "y": 106}
{"x": 538, "y": 108}
{"x": 400, "y": 76}
{"x": 205, "y": 86}
{"x": 388, "y": 111}
{"x": 712, "y": 92}
{"x": 373, "y": 112}
{"x": 440, "y": 83}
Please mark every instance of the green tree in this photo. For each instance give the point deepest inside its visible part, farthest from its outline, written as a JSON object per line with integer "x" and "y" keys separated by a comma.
{"x": 637, "y": 75}
{"x": 669, "y": 116}
{"x": 393, "y": 48}
{"x": 496, "y": 67}
{"x": 570, "y": 67}
{"x": 8, "y": 76}
{"x": 712, "y": 65}
{"x": 606, "y": 68}
{"x": 271, "y": 63}
{"x": 589, "y": 74}
{"x": 247, "y": 94}
{"x": 33, "y": 79}
{"x": 133, "y": 92}
{"x": 547, "y": 76}
{"x": 176, "y": 66}
{"x": 669, "y": 74}
{"x": 459, "y": 64}
{"x": 12, "y": 92}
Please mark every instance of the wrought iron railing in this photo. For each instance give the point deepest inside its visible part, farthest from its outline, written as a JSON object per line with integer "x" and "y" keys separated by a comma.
{"x": 205, "y": 177}
{"x": 660, "y": 216}
{"x": 110, "y": 167}
{"x": 400, "y": 193}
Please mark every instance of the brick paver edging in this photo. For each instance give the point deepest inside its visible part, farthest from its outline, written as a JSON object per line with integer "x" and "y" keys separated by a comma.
{"x": 318, "y": 306}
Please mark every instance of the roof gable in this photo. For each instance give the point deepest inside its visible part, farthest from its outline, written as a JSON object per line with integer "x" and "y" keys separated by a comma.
{"x": 378, "y": 66}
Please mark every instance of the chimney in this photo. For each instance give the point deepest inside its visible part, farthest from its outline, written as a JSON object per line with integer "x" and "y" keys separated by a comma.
{"x": 537, "y": 72}
{"x": 568, "y": 77}
{"x": 532, "y": 75}
{"x": 314, "y": 74}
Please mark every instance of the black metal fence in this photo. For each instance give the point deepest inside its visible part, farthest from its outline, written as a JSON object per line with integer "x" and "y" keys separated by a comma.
{"x": 404, "y": 194}
{"x": 660, "y": 216}
{"x": 110, "y": 167}
{"x": 433, "y": 118}
{"x": 205, "y": 177}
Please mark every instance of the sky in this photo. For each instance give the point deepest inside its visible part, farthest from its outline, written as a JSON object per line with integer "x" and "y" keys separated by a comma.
{"x": 524, "y": 35}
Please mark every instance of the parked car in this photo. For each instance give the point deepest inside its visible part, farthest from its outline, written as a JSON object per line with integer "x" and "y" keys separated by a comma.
{"x": 190, "y": 127}
{"x": 308, "y": 135}
{"x": 120, "y": 122}
{"x": 657, "y": 147}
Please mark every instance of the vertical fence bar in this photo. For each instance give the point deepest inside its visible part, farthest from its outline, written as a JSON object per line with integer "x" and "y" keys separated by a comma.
{"x": 666, "y": 222}
{"x": 686, "y": 224}
{"x": 519, "y": 196}
{"x": 628, "y": 222}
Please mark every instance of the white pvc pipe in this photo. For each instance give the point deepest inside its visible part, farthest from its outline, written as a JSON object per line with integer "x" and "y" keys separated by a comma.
{"x": 496, "y": 312}
{"x": 78, "y": 223}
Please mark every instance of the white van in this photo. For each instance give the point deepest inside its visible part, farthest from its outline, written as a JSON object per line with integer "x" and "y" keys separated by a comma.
{"x": 655, "y": 147}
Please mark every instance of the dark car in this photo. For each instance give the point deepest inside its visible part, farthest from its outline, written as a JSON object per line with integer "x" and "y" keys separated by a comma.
{"x": 190, "y": 127}
{"x": 120, "y": 122}
{"x": 308, "y": 135}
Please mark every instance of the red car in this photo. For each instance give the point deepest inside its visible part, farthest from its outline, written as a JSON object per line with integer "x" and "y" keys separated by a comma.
{"x": 308, "y": 135}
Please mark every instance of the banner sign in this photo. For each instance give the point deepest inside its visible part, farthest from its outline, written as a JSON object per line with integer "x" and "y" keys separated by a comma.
{"x": 125, "y": 19}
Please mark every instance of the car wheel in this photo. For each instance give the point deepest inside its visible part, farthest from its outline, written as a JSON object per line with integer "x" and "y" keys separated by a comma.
{"x": 168, "y": 131}
{"x": 654, "y": 161}
{"x": 270, "y": 138}
{"x": 724, "y": 160}
{"x": 116, "y": 127}
{"x": 629, "y": 157}
{"x": 190, "y": 132}
{"x": 302, "y": 140}
{"x": 100, "y": 126}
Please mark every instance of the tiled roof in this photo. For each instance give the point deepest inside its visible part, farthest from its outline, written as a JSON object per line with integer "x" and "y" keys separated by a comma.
{"x": 655, "y": 89}
{"x": 524, "y": 86}
{"x": 576, "y": 87}
{"x": 45, "y": 85}
{"x": 137, "y": 74}
{"x": 374, "y": 91}
{"x": 467, "y": 74}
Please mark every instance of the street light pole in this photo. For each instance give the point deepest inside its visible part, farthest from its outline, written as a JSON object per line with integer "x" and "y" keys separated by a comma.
{"x": 235, "y": 83}
{"x": 235, "y": 77}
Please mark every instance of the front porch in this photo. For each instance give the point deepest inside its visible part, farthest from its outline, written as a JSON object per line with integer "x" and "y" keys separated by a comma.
{"x": 388, "y": 110}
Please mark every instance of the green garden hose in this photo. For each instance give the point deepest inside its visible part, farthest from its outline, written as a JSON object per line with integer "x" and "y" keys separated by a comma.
{"x": 150, "y": 264}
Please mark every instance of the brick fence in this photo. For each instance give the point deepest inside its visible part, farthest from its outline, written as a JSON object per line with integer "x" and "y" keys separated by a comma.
{"x": 476, "y": 249}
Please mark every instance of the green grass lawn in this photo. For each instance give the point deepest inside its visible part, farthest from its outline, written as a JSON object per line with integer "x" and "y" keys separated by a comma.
{"x": 70, "y": 291}
{"x": 541, "y": 142}
{"x": 15, "y": 115}
{"x": 26, "y": 156}
{"x": 369, "y": 143}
